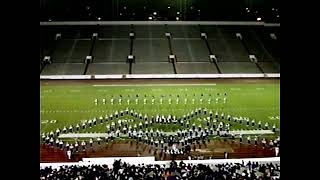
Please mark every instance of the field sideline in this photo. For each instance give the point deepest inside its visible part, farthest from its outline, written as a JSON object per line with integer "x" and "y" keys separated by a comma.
{"x": 64, "y": 104}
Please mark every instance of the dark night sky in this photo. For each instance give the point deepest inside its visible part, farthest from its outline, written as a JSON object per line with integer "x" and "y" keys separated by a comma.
{"x": 225, "y": 10}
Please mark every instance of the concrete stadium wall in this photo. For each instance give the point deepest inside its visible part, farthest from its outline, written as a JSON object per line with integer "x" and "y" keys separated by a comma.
{"x": 158, "y": 76}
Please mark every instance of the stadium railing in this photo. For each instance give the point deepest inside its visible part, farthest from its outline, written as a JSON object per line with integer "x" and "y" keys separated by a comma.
{"x": 155, "y": 76}
{"x": 151, "y": 160}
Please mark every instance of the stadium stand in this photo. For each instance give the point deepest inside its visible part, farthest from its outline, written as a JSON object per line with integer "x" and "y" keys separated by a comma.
{"x": 150, "y": 31}
{"x": 190, "y": 50}
{"x": 187, "y": 31}
{"x": 152, "y": 68}
{"x": 108, "y": 68}
{"x": 238, "y": 67}
{"x": 271, "y": 45}
{"x": 114, "y": 31}
{"x": 151, "y": 49}
{"x": 196, "y": 68}
{"x": 63, "y": 69}
{"x": 112, "y": 50}
{"x": 172, "y": 170}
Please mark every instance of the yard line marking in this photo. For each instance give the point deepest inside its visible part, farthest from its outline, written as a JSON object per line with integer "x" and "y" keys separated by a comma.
{"x": 231, "y": 109}
{"x": 128, "y": 85}
{"x": 47, "y": 91}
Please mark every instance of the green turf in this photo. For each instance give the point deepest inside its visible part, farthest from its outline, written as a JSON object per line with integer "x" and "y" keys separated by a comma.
{"x": 259, "y": 101}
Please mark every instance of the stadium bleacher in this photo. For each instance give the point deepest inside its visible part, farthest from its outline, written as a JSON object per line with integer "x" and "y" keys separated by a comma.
{"x": 187, "y": 31}
{"x": 238, "y": 67}
{"x": 152, "y": 68}
{"x": 149, "y": 31}
{"x": 114, "y": 31}
{"x": 196, "y": 68}
{"x": 190, "y": 50}
{"x": 64, "y": 69}
{"x": 113, "y": 50}
{"x": 108, "y": 68}
{"x": 151, "y": 49}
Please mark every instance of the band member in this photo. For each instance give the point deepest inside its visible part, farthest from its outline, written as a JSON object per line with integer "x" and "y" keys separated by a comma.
{"x": 83, "y": 144}
{"x": 57, "y": 132}
{"x": 64, "y": 130}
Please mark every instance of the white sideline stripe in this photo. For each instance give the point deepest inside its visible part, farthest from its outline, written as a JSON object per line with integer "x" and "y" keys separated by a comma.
{"x": 95, "y": 135}
{"x": 228, "y": 108}
{"x": 102, "y": 85}
{"x": 83, "y": 135}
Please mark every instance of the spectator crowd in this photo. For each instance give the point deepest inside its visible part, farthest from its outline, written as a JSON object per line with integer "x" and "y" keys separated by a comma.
{"x": 173, "y": 171}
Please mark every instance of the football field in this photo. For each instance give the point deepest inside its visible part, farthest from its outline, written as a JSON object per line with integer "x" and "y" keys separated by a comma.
{"x": 65, "y": 104}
